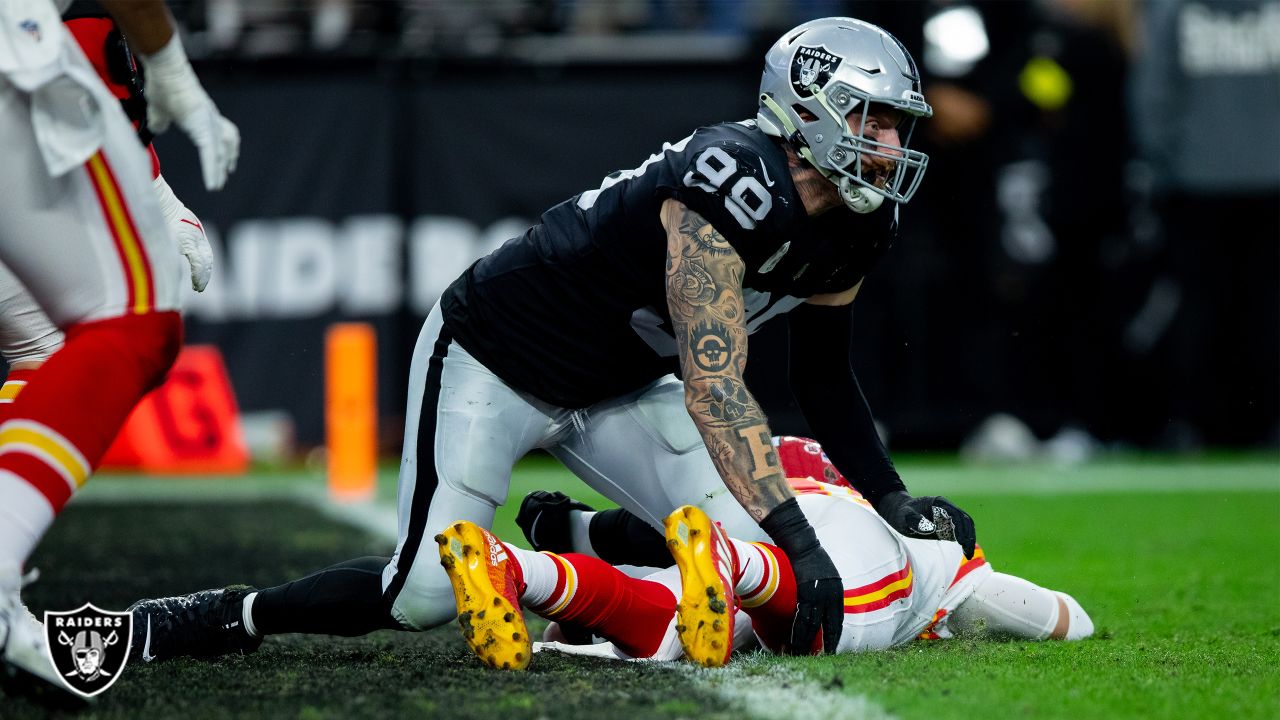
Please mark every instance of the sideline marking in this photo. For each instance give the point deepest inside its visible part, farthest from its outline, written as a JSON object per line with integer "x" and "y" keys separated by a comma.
{"x": 374, "y": 518}
{"x": 758, "y": 688}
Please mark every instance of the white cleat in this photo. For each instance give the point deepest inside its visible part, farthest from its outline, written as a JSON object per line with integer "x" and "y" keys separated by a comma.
{"x": 25, "y": 666}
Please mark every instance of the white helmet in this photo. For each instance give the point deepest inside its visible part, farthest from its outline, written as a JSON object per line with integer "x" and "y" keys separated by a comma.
{"x": 819, "y": 72}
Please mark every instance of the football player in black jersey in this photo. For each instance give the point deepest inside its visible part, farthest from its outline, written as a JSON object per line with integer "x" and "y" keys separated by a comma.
{"x": 567, "y": 337}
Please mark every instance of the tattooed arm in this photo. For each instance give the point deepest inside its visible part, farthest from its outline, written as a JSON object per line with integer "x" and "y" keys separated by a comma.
{"x": 704, "y": 295}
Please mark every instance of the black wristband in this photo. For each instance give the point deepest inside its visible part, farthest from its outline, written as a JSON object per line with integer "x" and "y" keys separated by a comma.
{"x": 790, "y": 529}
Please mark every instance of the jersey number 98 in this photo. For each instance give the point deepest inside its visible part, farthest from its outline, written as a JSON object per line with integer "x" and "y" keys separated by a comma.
{"x": 746, "y": 199}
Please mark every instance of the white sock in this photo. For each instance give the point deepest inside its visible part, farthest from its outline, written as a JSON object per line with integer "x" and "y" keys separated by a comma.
{"x": 580, "y": 532}
{"x": 757, "y": 577}
{"x": 25, "y": 514}
{"x": 540, "y": 574}
{"x": 246, "y": 614}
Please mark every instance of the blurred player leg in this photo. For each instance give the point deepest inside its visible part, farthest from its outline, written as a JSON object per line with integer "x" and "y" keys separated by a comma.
{"x": 82, "y": 231}
{"x": 92, "y": 247}
{"x": 27, "y": 337}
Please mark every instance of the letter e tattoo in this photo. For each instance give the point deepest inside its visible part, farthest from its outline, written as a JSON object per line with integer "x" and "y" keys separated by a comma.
{"x": 763, "y": 459}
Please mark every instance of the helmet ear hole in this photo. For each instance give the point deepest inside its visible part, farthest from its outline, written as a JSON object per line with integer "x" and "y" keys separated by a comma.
{"x": 803, "y": 113}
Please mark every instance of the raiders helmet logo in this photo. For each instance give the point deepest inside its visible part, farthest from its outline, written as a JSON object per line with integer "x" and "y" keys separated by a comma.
{"x": 88, "y": 646}
{"x": 812, "y": 66}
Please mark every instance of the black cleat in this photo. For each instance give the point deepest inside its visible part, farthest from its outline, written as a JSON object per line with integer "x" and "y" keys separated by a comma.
{"x": 203, "y": 624}
{"x": 544, "y": 518}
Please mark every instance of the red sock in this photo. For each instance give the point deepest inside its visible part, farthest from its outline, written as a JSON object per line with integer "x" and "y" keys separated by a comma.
{"x": 14, "y": 382}
{"x": 74, "y": 404}
{"x": 631, "y": 613}
{"x": 772, "y": 619}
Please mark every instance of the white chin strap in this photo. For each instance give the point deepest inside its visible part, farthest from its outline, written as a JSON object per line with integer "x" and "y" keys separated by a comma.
{"x": 858, "y": 198}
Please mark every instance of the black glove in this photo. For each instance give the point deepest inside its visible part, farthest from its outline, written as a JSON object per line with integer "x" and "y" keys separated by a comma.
{"x": 930, "y": 517}
{"x": 544, "y": 518}
{"x": 819, "y": 592}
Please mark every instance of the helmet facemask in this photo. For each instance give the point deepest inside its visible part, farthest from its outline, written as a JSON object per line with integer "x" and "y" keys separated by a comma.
{"x": 843, "y": 163}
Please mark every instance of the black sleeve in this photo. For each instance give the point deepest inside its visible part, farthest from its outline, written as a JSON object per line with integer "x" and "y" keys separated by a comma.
{"x": 828, "y": 394}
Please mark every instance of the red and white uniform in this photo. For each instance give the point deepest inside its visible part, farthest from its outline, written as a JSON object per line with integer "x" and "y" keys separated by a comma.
{"x": 897, "y": 589}
{"x": 80, "y": 223}
{"x": 26, "y": 333}
{"x": 81, "y": 228}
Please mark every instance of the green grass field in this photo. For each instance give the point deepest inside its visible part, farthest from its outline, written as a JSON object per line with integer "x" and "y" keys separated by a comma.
{"x": 1173, "y": 559}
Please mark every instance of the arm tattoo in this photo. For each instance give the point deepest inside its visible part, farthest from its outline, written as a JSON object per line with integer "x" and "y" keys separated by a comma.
{"x": 712, "y": 345}
{"x": 704, "y": 295}
{"x": 689, "y": 284}
{"x": 707, "y": 238}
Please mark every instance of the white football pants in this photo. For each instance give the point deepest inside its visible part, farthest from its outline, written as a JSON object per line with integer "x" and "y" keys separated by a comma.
{"x": 465, "y": 429}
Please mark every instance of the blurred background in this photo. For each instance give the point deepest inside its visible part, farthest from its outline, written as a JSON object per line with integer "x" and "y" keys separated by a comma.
{"x": 1092, "y": 260}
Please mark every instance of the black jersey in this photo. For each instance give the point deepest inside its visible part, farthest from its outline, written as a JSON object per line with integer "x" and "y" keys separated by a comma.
{"x": 574, "y": 310}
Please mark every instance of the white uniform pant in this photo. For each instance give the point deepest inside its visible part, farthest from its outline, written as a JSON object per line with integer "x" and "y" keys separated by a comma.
{"x": 80, "y": 225}
{"x": 465, "y": 429}
{"x": 894, "y": 585}
{"x": 26, "y": 333}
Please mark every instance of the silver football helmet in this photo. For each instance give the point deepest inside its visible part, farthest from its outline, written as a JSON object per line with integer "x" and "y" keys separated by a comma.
{"x": 820, "y": 72}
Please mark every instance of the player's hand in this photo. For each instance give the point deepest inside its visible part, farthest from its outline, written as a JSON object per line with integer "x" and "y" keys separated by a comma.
{"x": 819, "y": 592}
{"x": 930, "y": 517}
{"x": 193, "y": 244}
{"x": 174, "y": 94}
{"x": 188, "y": 232}
{"x": 819, "y": 602}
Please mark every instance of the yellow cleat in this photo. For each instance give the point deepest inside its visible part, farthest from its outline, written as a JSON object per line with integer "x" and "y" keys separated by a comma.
{"x": 484, "y": 589}
{"x": 706, "y": 609}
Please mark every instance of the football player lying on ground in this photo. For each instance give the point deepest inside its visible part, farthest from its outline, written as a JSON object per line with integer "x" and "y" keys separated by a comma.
{"x": 896, "y": 589}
